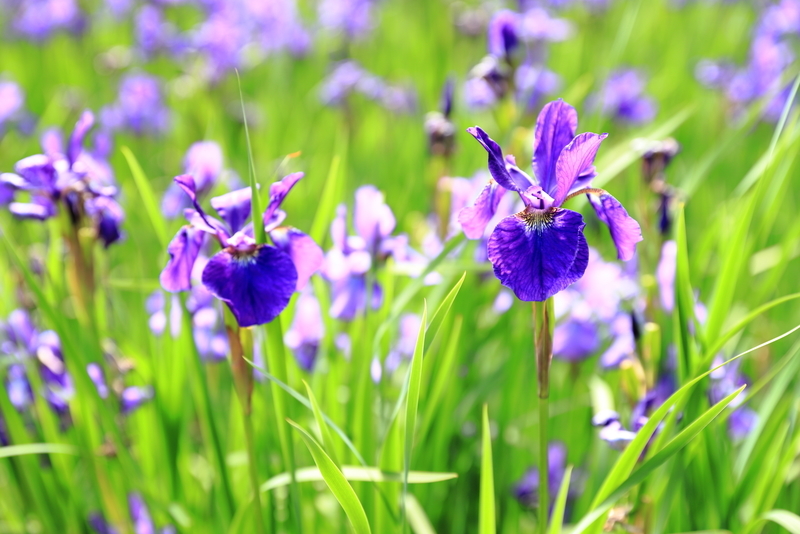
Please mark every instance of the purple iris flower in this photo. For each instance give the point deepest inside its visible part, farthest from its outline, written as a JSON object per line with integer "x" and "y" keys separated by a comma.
{"x": 18, "y": 387}
{"x": 623, "y": 97}
{"x": 58, "y": 382}
{"x": 204, "y": 162}
{"x": 403, "y": 348}
{"x": 154, "y": 33}
{"x": 541, "y": 250}
{"x": 4, "y": 439}
{"x": 100, "y": 525}
{"x": 623, "y": 344}
{"x": 526, "y": 491}
{"x": 208, "y": 328}
{"x": 539, "y": 25}
{"x": 348, "y": 77}
{"x": 157, "y": 308}
{"x": 351, "y": 258}
{"x": 12, "y": 100}
{"x": 611, "y": 429}
{"x": 39, "y": 19}
{"x": 487, "y": 83}
{"x": 534, "y": 82}
{"x": 132, "y": 397}
{"x": 139, "y": 107}
{"x": 77, "y": 178}
{"x": 575, "y": 340}
{"x": 725, "y": 381}
{"x": 665, "y": 275}
{"x": 305, "y": 335}
{"x": 503, "y": 34}
{"x": 254, "y": 281}
{"x": 98, "y": 378}
{"x": 352, "y": 17}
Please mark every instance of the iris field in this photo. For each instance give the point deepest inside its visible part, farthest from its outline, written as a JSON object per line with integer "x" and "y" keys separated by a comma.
{"x": 463, "y": 311}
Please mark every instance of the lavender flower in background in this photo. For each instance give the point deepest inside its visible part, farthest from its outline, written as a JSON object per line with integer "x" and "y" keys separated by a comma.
{"x": 611, "y": 429}
{"x": 156, "y": 307}
{"x": 305, "y": 335}
{"x": 129, "y": 397}
{"x": 255, "y": 281}
{"x": 403, "y": 348}
{"x": 156, "y": 34}
{"x": 541, "y": 250}
{"x": 622, "y": 97}
{"x": 12, "y": 102}
{"x": 204, "y": 161}
{"x": 487, "y": 83}
{"x": 533, "y": 83}
{"x": 348, "y": 77}
{"x": 139, "y": 107}
{"x": 504, "y": 34}
{"x": 526, "y": 491}
{"x": 665, "y": 275}
{"x": 21, "y": 343}
{"x": 208, "y": 328}
{"x": 353, "y": 18}
{"x": 38, "y": 20}
{"x": 79, "y": 179}
{"x": 725, "y": 381}
{"x": 141, "y": 520}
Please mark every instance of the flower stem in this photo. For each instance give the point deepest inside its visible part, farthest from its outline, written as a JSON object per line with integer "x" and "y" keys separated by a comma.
{"x": 253, "y": 470}
{"x": 544, "y": 322}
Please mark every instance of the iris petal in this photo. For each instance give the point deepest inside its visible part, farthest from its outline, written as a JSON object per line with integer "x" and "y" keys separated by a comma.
{"x": 183, "y": 251}
{"x": 555, "y": 129}
{"x": 372, "y": 218}
{"x": 625, "y": 231}
{"x": 278, "y": 192}
{"x": 255, "y": 285}
{"x": 497, "y": 164}
{"x": 306, "y": 255}
{"x": 572, "y": 162}
{"x": 82, "y": 127}
{"x": 473, "y": 219}
{"x": 233, "y": 207}
{"x": 537, "y": 254}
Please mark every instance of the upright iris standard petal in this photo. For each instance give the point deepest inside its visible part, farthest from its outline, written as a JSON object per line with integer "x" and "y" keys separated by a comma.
{"x": 497, "y": 164}
{"x": 306, "y": 255}
{"x": 255, "y": 283}
{"x": 534, "y": 252}
{"x": 555, "y": 129}
{"x": 577, "y": 156}
{"x": 203, "y": 160}
{"x": 473, "y": 219}
{"x": 82, "y": 127}
{"x": 625, "y": 231}
{"x": 278, "y": 192}
{"x": 233, "y": 208}
{"x": 183, "y": 251}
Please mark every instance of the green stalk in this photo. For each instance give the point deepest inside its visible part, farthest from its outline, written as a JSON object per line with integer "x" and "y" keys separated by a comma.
{"x": 255, "y": 200}
{"x": 276, "y": 362}
{"x": 544, "y": 322}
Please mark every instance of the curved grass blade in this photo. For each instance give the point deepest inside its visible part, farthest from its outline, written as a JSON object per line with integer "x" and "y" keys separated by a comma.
{"x": 327, "y": 440}
{"x": 638, "y": 476}
{"x": 412, "y": 401}
{"x": 486, "y": 512}
{"x": 148, "y": 198}
{"x": 357, "y": 474}
{"x": 37, "y": 448}
{"x": 337, "y": 483}
{"x": 441, "y": 312}
{"x": 788, "y": 520}
{"x": 557, "y": 517}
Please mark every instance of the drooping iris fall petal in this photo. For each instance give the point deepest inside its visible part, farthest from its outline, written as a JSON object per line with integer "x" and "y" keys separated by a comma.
{"x": 625, "y": 231}
{"x": 256, "y": 284}
{"x": 183, "y": 251}
{"x": 537, "y": 254}
{"x": 473, "y": 219}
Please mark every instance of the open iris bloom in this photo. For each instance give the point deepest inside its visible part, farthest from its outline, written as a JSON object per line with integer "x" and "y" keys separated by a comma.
{"x": 542, "y": 250}
{"x": 79, "y": 179}
{"x": 254, "y": 280}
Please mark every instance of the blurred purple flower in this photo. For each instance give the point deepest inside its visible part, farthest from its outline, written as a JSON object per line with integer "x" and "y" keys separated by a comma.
{"x": 612, "y": 431}
{"x": 132, "y": 397}
{"x": 208, "y": 328}
{"x": 526, "y": 491}
{"x": 255, "y": 281}
{"x": 503, "y": 34}
{"x": 12, "y": 100}
{"x": 403, "y": 348}
{"x": 139, "y": 106}
{"x": 305, "y": 335}
{"x": 439, "y": 129}
{"x": 623, "y": 98}
{"x": 156, "y": 307}
{"x": 352, "y": 17}
{"x": 204, "y": 162}
{"x": 98, "y": 378}
{"x": 75, "y": 177}
{"x": 346, "y": 265}
{"x": 575, "y": 340}
{"x": 487, "y": 83}
{"x": 348, "y": 77}
{"x": 665, "y": 275}
{"x": 541, "y": 250}
{"x": 533, "y": 83}
{"x": 39, "y": 19}
{"x": 725, "y": 381}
